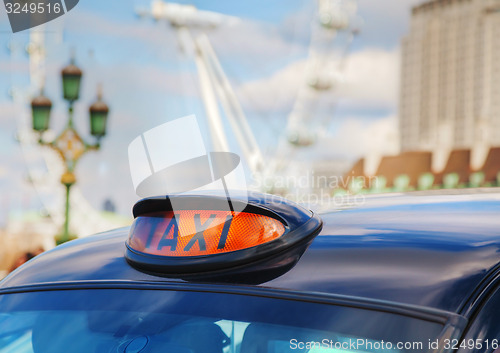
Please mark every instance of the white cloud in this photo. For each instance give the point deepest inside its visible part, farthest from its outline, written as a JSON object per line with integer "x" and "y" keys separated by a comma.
{"x": 370, "y": 79}
{"x": 352, "y": 138}
{"x": 250, "y": 44}
{"x": 78, "y": 22}
{"x": 3, "y": 171}
{"x": 8, "y": 113}
{"x": 385, "y": 21}
{"x": 254, "y": 41}
{"x": 358, "y": 137}
{"x": 14, "y": 67}
{"x": 276, "y": 92}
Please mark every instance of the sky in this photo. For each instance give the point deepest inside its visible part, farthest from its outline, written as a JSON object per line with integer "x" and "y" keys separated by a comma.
{"x": 147, "y": 81}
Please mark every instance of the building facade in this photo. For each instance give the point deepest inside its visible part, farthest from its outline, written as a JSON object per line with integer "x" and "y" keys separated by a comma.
{"x": 450, "y": 82}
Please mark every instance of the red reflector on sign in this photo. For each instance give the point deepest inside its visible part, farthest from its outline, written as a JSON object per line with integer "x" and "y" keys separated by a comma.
{"x": 205, "y": 232}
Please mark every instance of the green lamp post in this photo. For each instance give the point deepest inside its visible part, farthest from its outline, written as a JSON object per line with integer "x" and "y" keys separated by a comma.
{"x": 71, "y": 78}
{"x": 98, "y": 117}
{"x": 41, "y": 107}
{"x": 69, "y": 144}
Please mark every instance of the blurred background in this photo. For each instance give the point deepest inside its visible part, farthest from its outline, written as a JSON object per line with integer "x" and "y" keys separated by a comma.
{"x": 323, "y": 98}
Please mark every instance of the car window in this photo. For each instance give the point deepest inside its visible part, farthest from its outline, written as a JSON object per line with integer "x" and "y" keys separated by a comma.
{"x": 484, "y": 332}
{"x": 129, "y": 320}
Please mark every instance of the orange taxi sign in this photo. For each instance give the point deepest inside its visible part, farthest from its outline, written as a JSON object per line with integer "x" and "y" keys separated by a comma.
{"x": 201, "y": 232}
{"x": 217, "y": 238}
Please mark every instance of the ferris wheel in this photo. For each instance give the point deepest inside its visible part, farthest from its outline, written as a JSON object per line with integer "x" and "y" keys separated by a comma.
{"x": 324, "y": 67}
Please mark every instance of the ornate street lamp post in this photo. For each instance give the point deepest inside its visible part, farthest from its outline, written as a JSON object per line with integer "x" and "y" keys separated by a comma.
{"x": 69, "y": 144}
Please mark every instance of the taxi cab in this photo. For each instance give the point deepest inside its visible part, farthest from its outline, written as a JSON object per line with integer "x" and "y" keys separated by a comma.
{"x": 405, "y": 273}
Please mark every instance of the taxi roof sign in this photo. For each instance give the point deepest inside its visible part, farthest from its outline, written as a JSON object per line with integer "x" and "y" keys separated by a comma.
{"x": 201, "y": 232}
{"x": 201, "y": 235}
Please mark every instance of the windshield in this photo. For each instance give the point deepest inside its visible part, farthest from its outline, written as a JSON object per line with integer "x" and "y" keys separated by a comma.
{"x": 132, "y": 320}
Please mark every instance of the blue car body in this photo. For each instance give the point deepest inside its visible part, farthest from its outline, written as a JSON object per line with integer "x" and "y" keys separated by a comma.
{"x": 431, "y": 257}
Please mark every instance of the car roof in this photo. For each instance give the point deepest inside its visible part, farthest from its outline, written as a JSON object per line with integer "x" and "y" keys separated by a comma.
{"x": 427, "y": 250}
